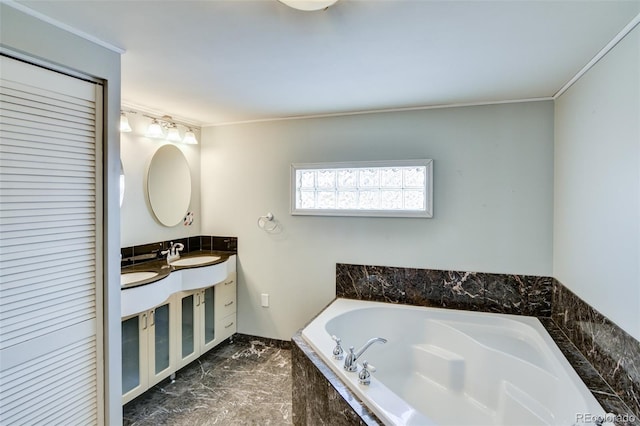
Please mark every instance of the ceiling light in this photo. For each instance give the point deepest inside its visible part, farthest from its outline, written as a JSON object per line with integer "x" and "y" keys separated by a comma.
{"x": 190, "y": 137}
{"x": 309, "y": 5}
{"x": 125, "y": 127}
{"x": 155, "y": 130}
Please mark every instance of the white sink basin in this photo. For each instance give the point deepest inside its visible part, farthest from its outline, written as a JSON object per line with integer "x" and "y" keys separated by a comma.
{"x": 133, "y": 277}
{"x": 193, "y": 261}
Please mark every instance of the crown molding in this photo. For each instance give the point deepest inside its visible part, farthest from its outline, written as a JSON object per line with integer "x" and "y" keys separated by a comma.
{"x": 622, "y": 34}
{"x": 68, "y": 28}
{"x": 377, "y": 111}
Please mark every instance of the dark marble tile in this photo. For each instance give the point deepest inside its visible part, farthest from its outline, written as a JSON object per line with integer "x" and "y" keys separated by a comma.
{"x": 126, "y": 256}
{"x": 244, "y": 382}
{"x": 225, "y": 243}
{"x": 477, "y": 291}
{"x": 454, "y": 289}
{"x": 151, "y": 248}
{"x": 589, "y": 375}
{"x": 207, "y": 242}
{"x": 139, "y": 254}
{"x": 276, "y": 343}
{"x": 613, "y": 352}
{"x": 518, "y": 294}
{"x": 195, "y": 244}
{"x": 319, "y": 397}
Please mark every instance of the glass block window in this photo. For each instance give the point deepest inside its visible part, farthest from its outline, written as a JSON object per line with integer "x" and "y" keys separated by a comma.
{"x": 382, "y": 188}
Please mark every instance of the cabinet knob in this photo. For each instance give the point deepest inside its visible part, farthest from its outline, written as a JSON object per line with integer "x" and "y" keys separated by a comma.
{"x": 228, "y": 304}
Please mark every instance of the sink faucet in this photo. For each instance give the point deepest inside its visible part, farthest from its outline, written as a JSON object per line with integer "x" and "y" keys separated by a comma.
{"x": 350, "y": 361}
{"x": 173, "y": 251}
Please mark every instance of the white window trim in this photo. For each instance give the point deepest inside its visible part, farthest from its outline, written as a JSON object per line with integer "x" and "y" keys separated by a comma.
{"x": 426, "y": 213}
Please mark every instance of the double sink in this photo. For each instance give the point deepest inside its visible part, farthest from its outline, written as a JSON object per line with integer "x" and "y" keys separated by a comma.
{"x": 132, "y": 278}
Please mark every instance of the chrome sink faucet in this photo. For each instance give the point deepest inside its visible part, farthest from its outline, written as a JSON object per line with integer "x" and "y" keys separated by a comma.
{"x": 173, "y": 252}
{"x": 350, "y": 361}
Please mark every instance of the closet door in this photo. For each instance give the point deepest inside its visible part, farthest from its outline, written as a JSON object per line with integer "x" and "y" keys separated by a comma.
{"x": 51, "y": 369}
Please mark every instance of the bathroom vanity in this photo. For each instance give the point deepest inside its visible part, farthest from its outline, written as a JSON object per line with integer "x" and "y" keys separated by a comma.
{"x": 172, "y": 314}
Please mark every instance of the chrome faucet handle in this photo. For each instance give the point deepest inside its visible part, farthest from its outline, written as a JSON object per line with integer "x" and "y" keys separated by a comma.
{"x": 350, "y": 361}
{"x": 364, "y": 376}
{"x": 338, "y": 352}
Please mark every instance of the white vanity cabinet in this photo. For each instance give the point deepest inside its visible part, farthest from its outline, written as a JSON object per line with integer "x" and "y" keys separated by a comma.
{"x": 198, "y": 313}
{"x": 147, "y": 356}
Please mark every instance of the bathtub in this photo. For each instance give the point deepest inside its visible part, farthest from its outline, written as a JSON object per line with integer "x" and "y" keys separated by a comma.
{"x": 450, "y": 367}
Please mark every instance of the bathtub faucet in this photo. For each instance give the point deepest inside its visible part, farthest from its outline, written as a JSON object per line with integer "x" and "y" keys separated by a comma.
{"x": 350, "y": 361}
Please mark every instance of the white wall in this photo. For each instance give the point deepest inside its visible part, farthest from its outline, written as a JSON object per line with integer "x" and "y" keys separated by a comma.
{"x": 138, "y": 224}
{"x": 597, "y": 186}
{"x": 493, "y": 182}
{"x": 40, "y": 41}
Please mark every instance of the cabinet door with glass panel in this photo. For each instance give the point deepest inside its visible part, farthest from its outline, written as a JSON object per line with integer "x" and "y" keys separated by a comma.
{"x": 146, "y": 350}
{"x": 196, "y": 328}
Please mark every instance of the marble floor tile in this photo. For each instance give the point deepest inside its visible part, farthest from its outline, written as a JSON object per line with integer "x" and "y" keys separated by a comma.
{"x": 247, "y": 382}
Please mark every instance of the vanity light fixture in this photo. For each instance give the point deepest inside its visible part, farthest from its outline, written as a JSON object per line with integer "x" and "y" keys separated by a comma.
{"x": 308, "y": 5}
{"x": 125, "y": 127}
{"x": 158, "y": 126}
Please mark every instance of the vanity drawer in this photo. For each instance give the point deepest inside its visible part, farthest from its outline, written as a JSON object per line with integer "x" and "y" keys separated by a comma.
{"x": 226, "y": 326}
{"x": 226, "y": 306}
{"x": 226, "y": 299}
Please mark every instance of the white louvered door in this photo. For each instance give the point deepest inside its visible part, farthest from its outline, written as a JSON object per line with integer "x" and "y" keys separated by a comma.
{"x": 51, "y": 369}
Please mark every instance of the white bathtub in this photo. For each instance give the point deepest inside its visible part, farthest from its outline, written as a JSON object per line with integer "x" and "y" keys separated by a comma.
{"x": 450, "y": 367}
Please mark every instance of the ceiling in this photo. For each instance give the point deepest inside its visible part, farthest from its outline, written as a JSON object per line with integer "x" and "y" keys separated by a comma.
{"x": 224, "y": 61}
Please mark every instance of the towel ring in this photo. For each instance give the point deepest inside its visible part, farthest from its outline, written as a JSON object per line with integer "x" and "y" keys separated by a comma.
{"x": 266, "y": 222}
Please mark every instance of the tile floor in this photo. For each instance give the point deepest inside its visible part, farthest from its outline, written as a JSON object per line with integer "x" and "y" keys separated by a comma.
{"x": 247, "y": 382}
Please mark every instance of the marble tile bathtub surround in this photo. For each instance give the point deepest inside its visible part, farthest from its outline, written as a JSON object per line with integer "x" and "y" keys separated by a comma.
{"x": 476, "y": 291}
{"x": 319, "y": 396}
{"x": 613, "y": 352}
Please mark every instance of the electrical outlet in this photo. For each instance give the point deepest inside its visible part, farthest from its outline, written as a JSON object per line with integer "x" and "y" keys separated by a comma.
{"x": 265, "y": 300}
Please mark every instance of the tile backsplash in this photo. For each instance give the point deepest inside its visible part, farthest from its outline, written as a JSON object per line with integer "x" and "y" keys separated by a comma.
{"x": 151, "y": 251}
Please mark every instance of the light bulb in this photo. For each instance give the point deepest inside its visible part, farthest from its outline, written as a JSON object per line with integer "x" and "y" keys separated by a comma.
{"x": 190, "y": 138}
{"x": 155, "y": 130}
{"x": 124, "y": 123}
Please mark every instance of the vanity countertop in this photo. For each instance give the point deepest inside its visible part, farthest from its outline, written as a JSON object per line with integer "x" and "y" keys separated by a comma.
{"x": 162, "y": 269}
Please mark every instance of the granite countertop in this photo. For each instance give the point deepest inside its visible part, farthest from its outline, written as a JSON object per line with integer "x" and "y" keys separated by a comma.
{"x": 161, "y": 267}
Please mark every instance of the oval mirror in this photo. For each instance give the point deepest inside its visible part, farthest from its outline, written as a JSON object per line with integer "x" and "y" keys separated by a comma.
{"x": 169, "y": 185}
